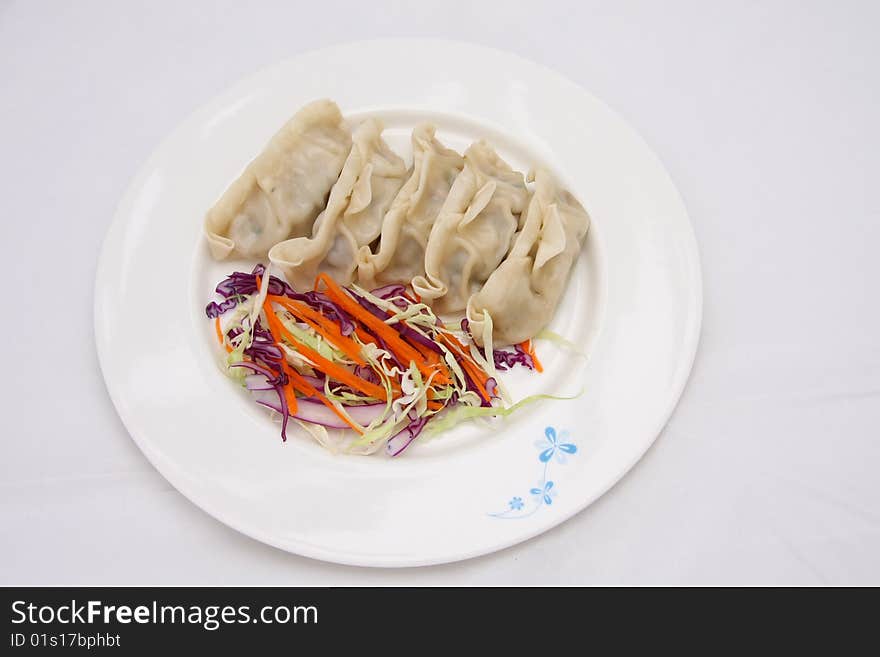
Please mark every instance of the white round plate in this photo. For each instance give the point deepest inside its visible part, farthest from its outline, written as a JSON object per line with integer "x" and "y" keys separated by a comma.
{"x": 633, "y": 304}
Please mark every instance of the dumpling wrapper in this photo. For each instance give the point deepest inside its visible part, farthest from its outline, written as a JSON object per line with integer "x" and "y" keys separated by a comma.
{"x": 284, "y": 188}
{"x": 407, "y": 224}
{"x": 474, "y": 230}
{"x": 370, "y": 179}
{"x": 521, "y": 295}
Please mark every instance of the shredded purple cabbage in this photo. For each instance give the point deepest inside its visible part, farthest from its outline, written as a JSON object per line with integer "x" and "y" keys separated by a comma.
{"x": 214, "y": 309}
{"x": 262, "y": 345}
{"x": 322, "y": 303}
{"x": 403, "y": 329}
{"x": 267, "y": 357}
{"x": 367, "y": 373}
{"x": 504, "y": 358}
{"x": 240, "y": 284}
{"x": 415, "y": 336}
{"x": 373, "y": 309}
{"x": 394, "y": 293}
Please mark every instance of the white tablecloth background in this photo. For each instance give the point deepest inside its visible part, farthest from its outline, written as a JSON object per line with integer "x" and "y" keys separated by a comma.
{"x": 766, "y": 116}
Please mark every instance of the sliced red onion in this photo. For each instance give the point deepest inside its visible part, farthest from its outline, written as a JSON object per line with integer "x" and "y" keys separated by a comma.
{"x": 404, "y": 438}
{"x": 278, "y": 381}
{"x": 258, "y": 382}
{"x": 492, "y": 387}
{"x": 311, "y": 410}
{"x": 269, "y": 374}
{"x": 314, "y": 381}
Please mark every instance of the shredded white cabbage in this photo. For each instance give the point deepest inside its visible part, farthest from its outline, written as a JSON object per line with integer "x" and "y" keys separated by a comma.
{"x": 551, "y": 336}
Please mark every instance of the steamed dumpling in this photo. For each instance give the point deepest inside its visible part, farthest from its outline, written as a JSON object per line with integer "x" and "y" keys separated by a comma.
{"x": 281, "y": 191}
{"x": 473, "y": 231}
{"x": 522, "y": 294}
{"x": 370, "y": 179}
{"x": 408, "y": 223}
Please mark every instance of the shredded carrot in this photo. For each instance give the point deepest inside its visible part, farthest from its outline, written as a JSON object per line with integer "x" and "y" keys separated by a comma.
{"x": 450, "y": 338}
{"x": 401, "y": 341}
{"x": 329, "y": 368}
{"x": 364, "y": 336}
{"x": 368, "y": 329}
{"x": 220, "y": 338}
{"x": 529, "y": 348}
{"x": 453, "y": 342}
{"x": 431, "y": 360}
{"x": 306, "y": 388}
{"x": 322, "y": 326}
{"x": 470, "y": 366}
{"x": 442, "y": 376}
{"x": 289, "y": 393}
{"x": 474, "y": 373}
{"x": 478, "y": 376}
{"x": 297, "y": 382}
{"x": 377, "y": 326}
{"x": 431, "y": 357}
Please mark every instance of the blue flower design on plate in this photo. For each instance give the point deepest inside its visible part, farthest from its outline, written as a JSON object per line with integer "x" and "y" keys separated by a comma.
{"x": 554, "y": 448}
{"x": 545, "y": 492}
{"x": 553, "y": 445}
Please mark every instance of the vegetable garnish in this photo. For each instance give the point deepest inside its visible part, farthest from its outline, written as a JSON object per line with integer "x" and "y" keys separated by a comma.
{"x": 529, "y": 348}
{"x": 220, "y": 338}
{"x": 379, "y": 362}
{"x": 375, "y": 325}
